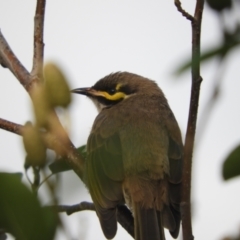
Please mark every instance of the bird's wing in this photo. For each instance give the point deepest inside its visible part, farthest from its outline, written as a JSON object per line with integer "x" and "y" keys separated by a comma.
{"x": 175, "y": 155}
{"x": 104, "y": 174}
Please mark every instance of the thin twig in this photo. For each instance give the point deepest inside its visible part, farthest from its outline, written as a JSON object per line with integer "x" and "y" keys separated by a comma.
{"x": 124, "y": 216}
{"x": 192, "y": 119}
{"x": 178, "y": 4}
{"x": 38, "y": 40}
{"x": 9, "y": 60}
{"x": 10, "y": 126}
{"x": 45, "y": 180}
{"x": 70, "y": 209}
{"x": 61, "y": 146}
{"x": 36, "y": 180}
{"x": 26, "y": 174}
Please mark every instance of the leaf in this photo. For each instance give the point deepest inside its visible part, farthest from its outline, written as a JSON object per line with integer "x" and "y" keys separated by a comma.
{"x": 41, "y": 105}
{"x": 21, "y": 213}
{"x": 219, "y": 5}
{"x": 231, "y": 165}
{"x": 61, "y": 164}
{"x": 83, "y": 151}
{"x": 34, "y": 145}
{"x": 231, "y": 41}
{"x": 56, "y": 86}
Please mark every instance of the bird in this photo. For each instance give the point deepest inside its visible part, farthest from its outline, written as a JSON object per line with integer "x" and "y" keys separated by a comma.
{"x": 134, "y": 156}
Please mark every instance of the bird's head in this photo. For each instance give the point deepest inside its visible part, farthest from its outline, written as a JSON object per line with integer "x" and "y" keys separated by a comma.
{"x": 117, "y": 87}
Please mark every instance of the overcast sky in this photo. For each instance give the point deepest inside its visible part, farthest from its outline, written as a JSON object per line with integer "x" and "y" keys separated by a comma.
{"x": 93, "y": 38}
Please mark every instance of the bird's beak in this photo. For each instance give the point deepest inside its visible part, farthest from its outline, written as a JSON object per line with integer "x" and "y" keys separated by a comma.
{"x": 90, "y": 92}
{"x": 83, "y": 91}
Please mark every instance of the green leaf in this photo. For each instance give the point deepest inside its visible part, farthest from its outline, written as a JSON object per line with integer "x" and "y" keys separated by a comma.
{"x": 219, "y": 5}
{"x": 21, "y": 213}
{"x": 231, "y": 41}
{"x": 40, "y": 105}
{"x": 61, "y": 164}
{"x": 231, "y": 165}
{"x": 83, "y": 151}
{"x": 56, "y": 86}
{"x": 34, "y": 145}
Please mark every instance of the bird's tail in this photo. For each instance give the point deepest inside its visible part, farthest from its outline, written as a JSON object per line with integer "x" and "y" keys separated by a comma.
{"x": 148, "y": 224}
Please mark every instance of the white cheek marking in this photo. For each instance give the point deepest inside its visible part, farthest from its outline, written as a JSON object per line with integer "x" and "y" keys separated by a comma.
{"x": 98, "y": 105}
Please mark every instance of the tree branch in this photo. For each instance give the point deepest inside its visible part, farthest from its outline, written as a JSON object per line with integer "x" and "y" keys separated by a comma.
{"x": 57, "y": 139}
{"x": 70, "y": 209}
{"x": 10, "y": 126}
{"x": 124, "y": 216}
{"x": 192, "y": 119}
{"x": 178, "y": 4}
{"x": 53, "y": 142}
{"x": 9, "y": 60}
{"x": 38, "y": 40}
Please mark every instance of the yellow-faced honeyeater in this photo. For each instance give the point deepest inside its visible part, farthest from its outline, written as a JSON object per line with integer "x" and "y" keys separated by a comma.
{"x": 134, "y": 156}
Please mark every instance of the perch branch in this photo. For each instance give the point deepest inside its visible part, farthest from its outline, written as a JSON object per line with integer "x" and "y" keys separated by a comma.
{"x": 70, "y": 209}
{"x": 38, "y": 40}
{"x": 192, "y": 119}
{"x": 124, "y": 216}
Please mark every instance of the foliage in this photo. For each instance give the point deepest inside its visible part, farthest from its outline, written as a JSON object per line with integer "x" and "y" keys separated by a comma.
{"x": 21, "y": 212}
{"x": 230, "y": 38}
{"x": 231, "y": 165}
{"x": 230, "y": 41}
{"x": 60, "y": 165}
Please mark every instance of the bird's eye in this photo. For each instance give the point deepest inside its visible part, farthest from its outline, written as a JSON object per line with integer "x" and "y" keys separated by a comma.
{"x": 112, "y": 91}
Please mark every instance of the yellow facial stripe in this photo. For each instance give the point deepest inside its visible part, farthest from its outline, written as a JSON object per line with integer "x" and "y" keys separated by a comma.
{"x": 114, "y": 97}
{"x": 118, "y": 86}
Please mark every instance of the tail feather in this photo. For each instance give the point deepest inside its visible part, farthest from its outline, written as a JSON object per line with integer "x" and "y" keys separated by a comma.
{"x": 148, "y": 224}
{"x": 177, "y": 217}
{"x": 108, "y": 221}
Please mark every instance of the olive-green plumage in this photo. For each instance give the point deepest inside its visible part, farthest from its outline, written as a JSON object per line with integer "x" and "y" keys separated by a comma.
{"x": 134, "y": 156}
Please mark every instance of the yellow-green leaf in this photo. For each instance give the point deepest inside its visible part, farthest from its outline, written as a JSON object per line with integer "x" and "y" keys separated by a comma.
{"x": 34, "y": 145}
{"x": 56, "y": 86}
{"x": 41, "y": 105}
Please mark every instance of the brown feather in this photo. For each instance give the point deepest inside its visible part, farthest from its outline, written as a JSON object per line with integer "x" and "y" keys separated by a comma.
{"x": 135, "y": 156}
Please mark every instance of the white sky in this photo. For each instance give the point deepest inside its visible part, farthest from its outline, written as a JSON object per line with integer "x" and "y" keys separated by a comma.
{"x": 93, "y": 38}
